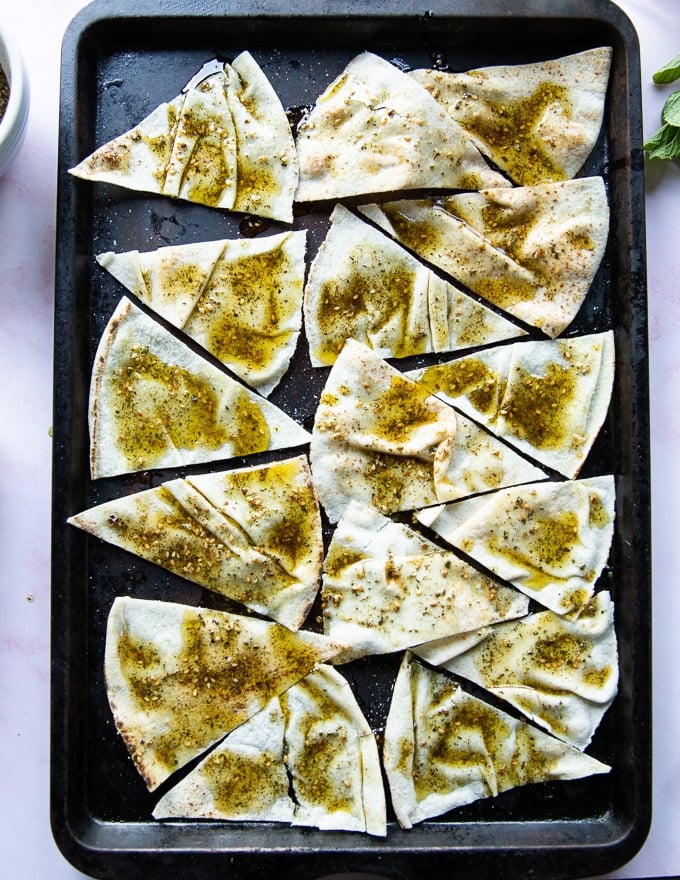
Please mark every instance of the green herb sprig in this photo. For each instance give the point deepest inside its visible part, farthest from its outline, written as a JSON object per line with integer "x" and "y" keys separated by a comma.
{"x": 665, "y": 142}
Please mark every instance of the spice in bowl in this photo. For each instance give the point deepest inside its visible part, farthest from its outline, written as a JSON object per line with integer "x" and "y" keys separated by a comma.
{"x": 14, "y": 100}
{"x": 4, "y": 92}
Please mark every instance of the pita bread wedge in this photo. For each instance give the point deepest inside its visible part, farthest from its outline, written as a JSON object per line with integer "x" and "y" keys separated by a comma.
{"x": 363, "y": 285}
{"x": 332, "y": 756}
{"x": 225, "y": 142}
{"x": 532, "y": 251}
{"x": 445, "y": 748}
{"x": 538, "y": 121}
{"x": 252, "y": 534}
{"x": 563, "y": 674}
{"x": 550, "y": 540}
{"x": 374, "y": 129}
{"x": 179, "y": 678}
{"x": 243, "y": 778}
{"x": 386, "y": 588}
{"x": 380, "y": 438}
{"x": 308, "y": 758}
{"x": 240, "y": 299}
{"x": 155, "y": 403}
{"x": 548, "y": 398}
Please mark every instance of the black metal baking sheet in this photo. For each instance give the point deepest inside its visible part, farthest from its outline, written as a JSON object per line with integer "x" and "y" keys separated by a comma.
{"x": 120, "y": 59}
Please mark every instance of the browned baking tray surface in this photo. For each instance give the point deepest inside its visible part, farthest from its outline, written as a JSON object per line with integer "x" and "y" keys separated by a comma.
{"x": 120, "y": 60}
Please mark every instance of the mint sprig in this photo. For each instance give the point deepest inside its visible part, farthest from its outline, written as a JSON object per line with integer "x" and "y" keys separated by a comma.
{"x": 669, "y": 72}
{"x": 665, "y": 142}
{"x": 671, "y": 110}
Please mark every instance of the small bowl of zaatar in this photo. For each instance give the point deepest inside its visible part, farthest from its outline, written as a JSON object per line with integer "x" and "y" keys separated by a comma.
{"x": 14, "y": 100}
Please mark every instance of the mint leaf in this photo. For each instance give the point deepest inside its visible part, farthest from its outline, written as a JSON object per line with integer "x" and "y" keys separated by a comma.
{"x": 669, "y": 72}
{"x": 664, "y": 143}
{"x": 655, "y": 140}
{"x": 671, "y": 109}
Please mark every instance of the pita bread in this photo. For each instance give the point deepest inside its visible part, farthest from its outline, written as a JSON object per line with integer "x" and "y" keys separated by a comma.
{"x": 364, "y": 286}
{"x": 179, "y": 678}
{"x": 314, "y": 742}
{"x": 385, "y": 588}
{"x": 563, "y": 674}
{"x": 225, "y": 142}
{"x": 332, "y": 756}
{"x": 550, "y": 540}
{"x": 243, "y": 778}
{"x": 439, "y": 652}
{"x": 548, "y": 398}
{"x": 240, "y": 299}
{"x": 538, "y": 121}
{"x": 252, "y": 534}
{"x": 155, "y": 403}
{"x": 374, "y": 129}
{"x": 532, "y": 251}
{"x": 444, "y": 748}
{"x": 380, "y": 438}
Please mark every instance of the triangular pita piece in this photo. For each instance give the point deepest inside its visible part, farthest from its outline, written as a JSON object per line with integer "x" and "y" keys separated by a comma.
{"x": 374, "y": 129}
{"x": 550, "y": 540}
{"x": 445, "y": 748}
{"x": 549, "y": 398}
{"x": 252, "y": 534}
{"x": 532, "y": 251}
{"x": 536, "y": 121}
{"x": 225, "y": 142}
{"x": 155, "y": 403}
{"x": 179, "y": 678}
{"x": 244, "y": 778}
{"x": 438, "y": 652}
{"x": 240, "y": 299}
{"x": 308, "y": 758}
{"x": 385, "y": 588}
{"x": 380, "y": 438}
{"x": 363, "y": 285}
{"x": 332, "y": 756}
{"x": 563, "y": 674}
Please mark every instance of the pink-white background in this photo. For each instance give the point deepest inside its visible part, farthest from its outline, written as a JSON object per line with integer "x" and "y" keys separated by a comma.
{"x": 27, "y": 238}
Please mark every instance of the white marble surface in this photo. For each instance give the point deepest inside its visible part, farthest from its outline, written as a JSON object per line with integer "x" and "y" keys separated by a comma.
{"x": 27, "y": 236}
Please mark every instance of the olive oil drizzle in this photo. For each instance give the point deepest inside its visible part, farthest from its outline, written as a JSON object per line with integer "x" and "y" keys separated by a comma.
{"x": 510, "y": 130}
{"x": 219, "y": 672}
{"x": 363, "y": 304}
{"x": 159, "y": 406}
{"x": 534, "y": 407}
{"x": 245, "y": 308}
{"x": 324, "y": 748}
{"x": 457, "y": 732}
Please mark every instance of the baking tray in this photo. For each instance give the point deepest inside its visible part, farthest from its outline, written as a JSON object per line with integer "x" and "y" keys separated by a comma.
{"x": 120, "y": 59}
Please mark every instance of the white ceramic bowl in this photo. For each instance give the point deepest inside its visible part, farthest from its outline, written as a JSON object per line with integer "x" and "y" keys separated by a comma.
{"x": 13, "y": 122}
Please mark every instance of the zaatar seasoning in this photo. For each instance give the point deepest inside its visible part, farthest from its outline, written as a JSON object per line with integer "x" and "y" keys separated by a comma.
{"x": 4, "y": 92}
